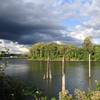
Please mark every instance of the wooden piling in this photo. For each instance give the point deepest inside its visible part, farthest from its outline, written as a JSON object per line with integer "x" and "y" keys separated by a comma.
{"x": 89, "y": 65}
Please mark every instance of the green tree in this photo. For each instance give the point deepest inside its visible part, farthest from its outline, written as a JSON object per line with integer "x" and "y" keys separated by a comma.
{"x": 88, "y": 45}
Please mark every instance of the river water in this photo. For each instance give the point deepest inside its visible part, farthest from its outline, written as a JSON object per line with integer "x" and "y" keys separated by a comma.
{"x": 33, "y": 73}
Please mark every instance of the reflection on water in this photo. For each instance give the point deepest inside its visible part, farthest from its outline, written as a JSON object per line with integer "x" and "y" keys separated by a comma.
{"x": 48, "y": 74}
{"x": 76, "y": 75}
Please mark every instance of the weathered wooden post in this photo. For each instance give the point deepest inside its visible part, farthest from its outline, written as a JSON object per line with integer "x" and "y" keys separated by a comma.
{"x": 63, "y": 92}
{"x": 63, "y": 76}
{"x": 48, "y": 71}
{"x": 47, "y": 75}
{"x": 90, "y": 84}
{"x": 89, "y": 65}
{"x": 50, "y": 75}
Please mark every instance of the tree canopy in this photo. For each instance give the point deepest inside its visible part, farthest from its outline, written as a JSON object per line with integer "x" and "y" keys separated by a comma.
{"x": 88, "y": 45}
{"x": 41, "y": 51}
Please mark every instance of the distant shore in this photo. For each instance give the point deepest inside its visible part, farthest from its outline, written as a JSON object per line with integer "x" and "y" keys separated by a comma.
{"x": 61, "y": 60}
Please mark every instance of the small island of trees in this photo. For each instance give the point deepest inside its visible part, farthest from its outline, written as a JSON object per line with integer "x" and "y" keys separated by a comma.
{"x": 41, "y": 51}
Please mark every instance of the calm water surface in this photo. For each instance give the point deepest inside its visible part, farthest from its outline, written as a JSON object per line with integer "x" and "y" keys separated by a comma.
{"x": 33, "y": 73}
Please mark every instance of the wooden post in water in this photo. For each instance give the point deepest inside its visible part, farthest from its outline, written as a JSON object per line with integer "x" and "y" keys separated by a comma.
{"x": 50, "y": 76}
{"x": 47, "y": 75}
{"x": 89, "y": 65}
{"x": 63, "y": 76}
{"x": 90, "y": 84}
{"x": 63, "y": 92}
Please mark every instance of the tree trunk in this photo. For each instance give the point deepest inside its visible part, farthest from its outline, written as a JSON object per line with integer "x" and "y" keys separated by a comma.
{"x": 63, "y": 75}
{"x": 89, "y": 65}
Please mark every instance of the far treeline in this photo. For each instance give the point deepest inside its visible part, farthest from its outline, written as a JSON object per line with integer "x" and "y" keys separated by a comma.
{"x": 42, "y": 51}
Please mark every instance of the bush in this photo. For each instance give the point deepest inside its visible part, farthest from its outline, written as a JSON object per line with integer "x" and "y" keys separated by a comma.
{"x": 10, "y": 89}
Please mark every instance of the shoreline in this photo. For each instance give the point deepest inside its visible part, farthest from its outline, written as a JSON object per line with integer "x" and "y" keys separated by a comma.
{"x": 52, "y": 60}
{"x": 65, "y": 60}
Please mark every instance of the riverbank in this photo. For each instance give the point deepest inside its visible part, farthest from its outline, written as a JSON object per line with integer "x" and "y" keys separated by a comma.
{"x": 72, "y": 60}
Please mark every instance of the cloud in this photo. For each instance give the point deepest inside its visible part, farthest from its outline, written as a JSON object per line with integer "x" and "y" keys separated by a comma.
{"x": 31, "y": 21}
{"x": 14, "y": 47}
{"x": 22, "y": 20}
{"x": 90, "y": 26}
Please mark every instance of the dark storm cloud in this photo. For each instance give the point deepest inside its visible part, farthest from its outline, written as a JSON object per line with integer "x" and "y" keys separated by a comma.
{"x": 28, "y": 21}
{"x": 17, "y": 32}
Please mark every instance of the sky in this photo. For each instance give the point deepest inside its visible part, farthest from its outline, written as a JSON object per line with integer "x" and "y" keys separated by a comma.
{"x": 62, "y": 21}
{"x": 14, "y": 47}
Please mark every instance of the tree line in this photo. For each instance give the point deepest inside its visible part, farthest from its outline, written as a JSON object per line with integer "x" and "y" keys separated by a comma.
{"x": 41, "y": 51}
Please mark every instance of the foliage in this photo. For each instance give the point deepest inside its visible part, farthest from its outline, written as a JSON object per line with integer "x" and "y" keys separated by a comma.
{"x": 64, "y": 95}
{"x": 10, "y": 89}
{"x": 53, "y": 98}
{"x": 91, "y": 95}
{"x": 33, "y": 92}
{"x": 88, "y": 45}
{"x": 98, "y": 85}
{"x": 42, "y": 51}
{"x": 80, "y": 95}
